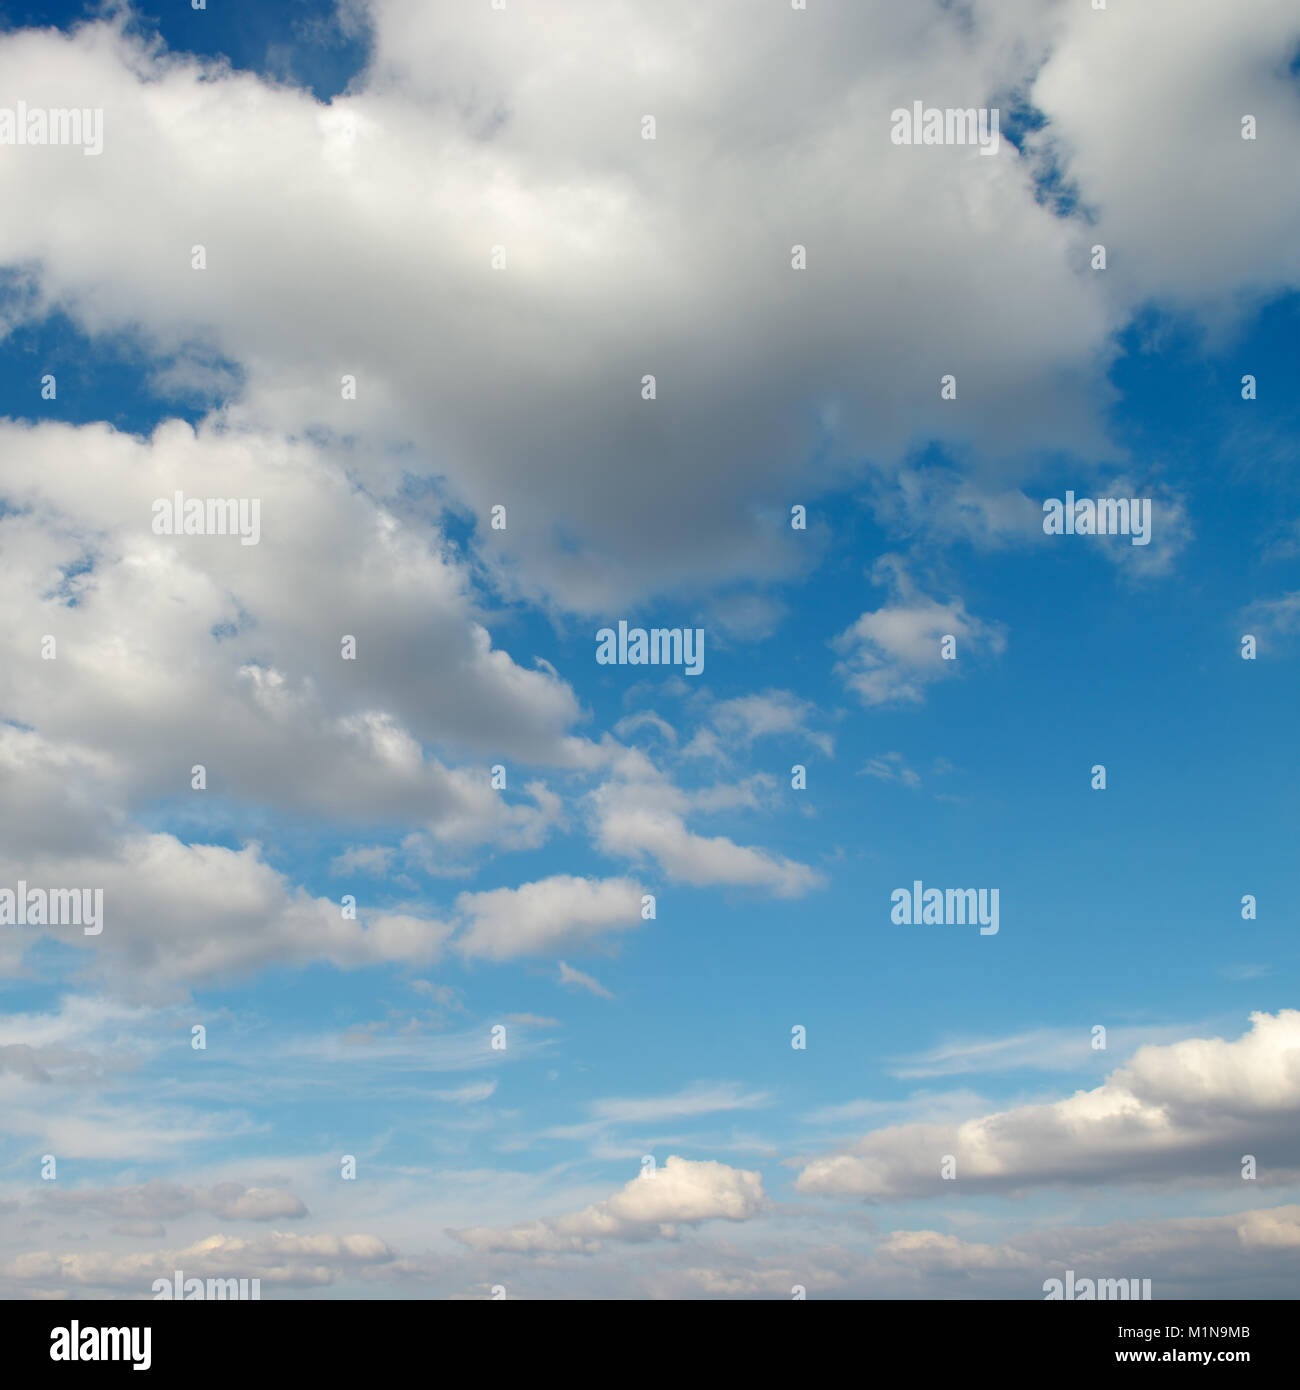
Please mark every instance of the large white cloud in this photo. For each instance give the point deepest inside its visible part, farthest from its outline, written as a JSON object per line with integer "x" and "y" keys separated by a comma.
{"x": 354, "y": 237}
{"x": 1182, "y": 1111}
{"x": 1144, "y": 107}
{"x": 174, "y": 651}
{"x": 358, "y": 241}
{"x": 184, "y": 649}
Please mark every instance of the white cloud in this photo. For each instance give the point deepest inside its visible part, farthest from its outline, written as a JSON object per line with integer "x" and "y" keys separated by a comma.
{"x": 890, "y": 654}
{"x": 1181, "y": 103}
{"x": 1042, "y": 1049}
{"x": 932, "y": 1250}
{"x": 1186, "y": 1257}
{"x": 280, "y": 1259}
{"x": 1272, "y": 620}
{"x": 681, "y": 1192}
{"x": 160, "y": 1200}
{"x": 576, "y": 978}
{"x": 892, "y": 767}
{"x": 551, "y": 914}
{"x": 737, "y": 722}
{"x": 368, "y": 859}
{"x": 263, "y": 697}
{"x": 536, "y": 131}
{"x": 644, "y": 719}
{"x": 1186, "y": 1110}
{"x": 470, "y": 1094}
{"x": 641, "y": 815}
{"x": 182, "y": 914}
{"x": 701, "y": 1099}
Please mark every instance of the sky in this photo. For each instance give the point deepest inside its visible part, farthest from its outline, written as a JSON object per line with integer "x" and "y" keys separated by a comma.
{"x": 472, "y": 966}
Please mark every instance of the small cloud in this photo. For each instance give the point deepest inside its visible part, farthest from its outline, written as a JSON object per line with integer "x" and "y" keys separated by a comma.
{"x": 889, "y": 655}
{"x": 644, "y": 719}
{"x": 443, "y": 995}
{"x": 468, "y": 1095}
{"x": 363, "y": 859}
{"x": 563, "y": 911}
{"x": 746, "y": 617}
{"x": 738, "y": 722}
{"x": 1274, "y": 617}
{"x": 576, "y": 979}
{"x": 891, "y": 767}
{"x": 1247, "y": 972}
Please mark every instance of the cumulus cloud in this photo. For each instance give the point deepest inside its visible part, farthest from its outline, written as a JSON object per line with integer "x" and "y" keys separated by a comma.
{"x": 551, "y": 914}
{"x": 601, "y": 229}
{"x": 1186, "y": 1110}
{"x": 639, "y": 815}
{"x": 174, "y": 650}
{"x": 682, "y": 1192}
{"x": 621, "y": 257}
{"x": 890, "y": 654}
{"x": 182, "y": 913}
{"x": 737, "y": 722}
{"x": 1179, "y": 246}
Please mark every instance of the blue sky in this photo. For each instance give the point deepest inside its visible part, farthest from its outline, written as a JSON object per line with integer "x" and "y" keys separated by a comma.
{"x": 814, "y": 1167}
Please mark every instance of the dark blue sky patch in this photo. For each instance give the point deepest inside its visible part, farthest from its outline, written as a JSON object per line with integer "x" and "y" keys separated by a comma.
{"x": 112, "y": 378}
{"x": 303, "y": 42}
{"x": 1026, "y": 127}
